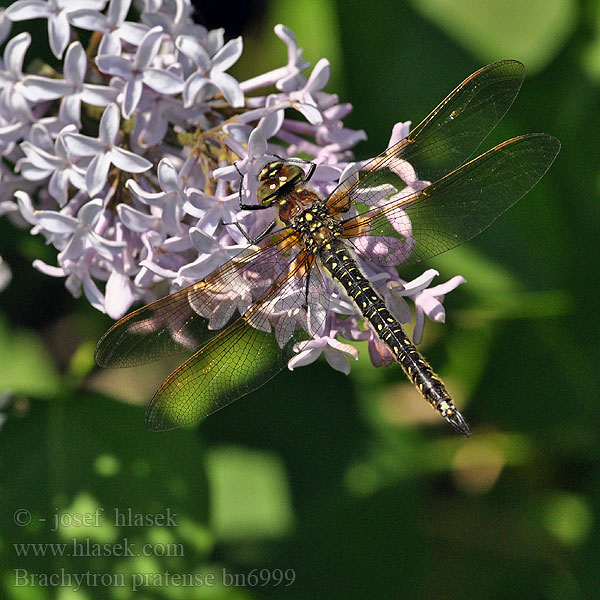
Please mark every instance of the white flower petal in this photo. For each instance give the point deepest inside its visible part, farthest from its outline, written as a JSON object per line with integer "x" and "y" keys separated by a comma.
{"x": 337, "y": 360}
{"x": 114, "y": 65}
{"x": 92, "y": 293}
{"x": 204, "y": 243}
{"x": 98, "y": 95}
{"x": 70, "y": 110}
{"x": 56, "y": 222}
{"x": 82, "y": 145}
{"x": 118, "y": 295}
{"x": 306, "y": 357}
{"x": 97, "y": 171}
{"x": 230, "y": 87}
{"x": 89, "y": 19}
{"x": 310, "y": 113}
{"x": 129, "y": 161}
{"x": 319, "y": 77}
{"x": 110, "y": 121}
{"x": 89, "y": 211}
{"x": 58, "y": 32}
{"x": 136, "y": 220}
{"x": 48, "y": 269}
{"x": 228, "y": 55}
{"x": 28, "y": 9}
{"x": 165, "y": 82}
{"x": 148, "y": 48}
{"x": 75, "y": 63}
{"x": 41, "y": 89}
{"x": 419, "y": 283}
{"x": 167, "y": 176}
{"x": 132, "y": 95}
{"x": 192, "y": 48}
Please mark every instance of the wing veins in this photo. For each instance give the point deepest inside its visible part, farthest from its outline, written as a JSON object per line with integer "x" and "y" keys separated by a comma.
{"x": 469, "y": 96}
{"x": 227, "y": 338}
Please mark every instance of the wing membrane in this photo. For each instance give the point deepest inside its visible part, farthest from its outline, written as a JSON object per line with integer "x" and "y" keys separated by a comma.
{"x": 235, "y": 362}
{"x": 180, "y": 321}
{"x": 458, "y": 125}
{"x": 455, "y": 208}
{"x": 448, "y": 136}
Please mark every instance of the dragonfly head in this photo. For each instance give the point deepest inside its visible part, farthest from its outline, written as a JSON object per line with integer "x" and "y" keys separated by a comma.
{"x": 274, "y": 178}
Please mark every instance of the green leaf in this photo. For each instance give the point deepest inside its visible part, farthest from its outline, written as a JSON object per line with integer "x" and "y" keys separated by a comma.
{"x": 26, "y": 366}
{"x": 89, "y": 466}
{"x": 532, "y": 32}
{"x": 251, "y": 497}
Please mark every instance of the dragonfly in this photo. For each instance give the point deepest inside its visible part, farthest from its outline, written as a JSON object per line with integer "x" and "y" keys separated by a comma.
{"x": 245, "y": 320}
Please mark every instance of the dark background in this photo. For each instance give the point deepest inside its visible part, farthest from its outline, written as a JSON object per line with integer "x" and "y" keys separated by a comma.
{"x": 351, "y": 482}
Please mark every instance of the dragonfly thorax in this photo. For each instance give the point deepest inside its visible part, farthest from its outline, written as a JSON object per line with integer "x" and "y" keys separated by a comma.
{"x": 316, "y": 227}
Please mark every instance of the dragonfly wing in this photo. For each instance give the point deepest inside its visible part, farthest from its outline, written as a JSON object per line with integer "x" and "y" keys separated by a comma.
{"x": 188, "y": 318}
{"x": 446, "y": 138}
{"x": 238, "y": 360}
{"x": 454, "y": 209}
{"x": 455, "y": 129}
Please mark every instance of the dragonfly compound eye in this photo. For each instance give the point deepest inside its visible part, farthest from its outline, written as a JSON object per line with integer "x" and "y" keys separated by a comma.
{"x": 270, "y": 170}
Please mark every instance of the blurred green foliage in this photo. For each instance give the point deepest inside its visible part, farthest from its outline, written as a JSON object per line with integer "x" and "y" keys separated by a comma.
{"x": 352, "y": 482}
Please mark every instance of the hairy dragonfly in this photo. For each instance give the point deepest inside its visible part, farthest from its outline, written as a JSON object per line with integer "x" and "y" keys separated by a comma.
{"x": 245, "y": 318}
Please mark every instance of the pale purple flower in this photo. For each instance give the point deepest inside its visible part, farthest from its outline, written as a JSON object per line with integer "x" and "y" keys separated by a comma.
{"x": 71, "y": 89}
{"x": 57, "y": 13}
{"x": 170, "y": 201}
{"x": 336, "y": 353}
{"x": 10, "y": 182}
{"x": 21, "y": 124}
{"x": 185, "y": 128}
{"x": 286, "y": 78}
{"x": 105, "y": 151}
{"x": 175, "y": 18}
{"x": 80, "y": 230}
{"x": 210, "y": 73}
{"x": 11, "y": 73}
{"x": 211, "y": 254}
{"x": 138, "y": 71}
{"x": 112, "y": 25}
{"x": 48, "y": 159}
{"x": 428, "y": 301}
{"x": 212, "y": 211}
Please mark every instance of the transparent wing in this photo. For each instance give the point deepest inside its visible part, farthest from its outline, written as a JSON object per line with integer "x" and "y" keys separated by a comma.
{"x": 448, "y": 136}
{"x": 238, "y": 360}
{"x": 453, "y": 209}
{"x": 189, "y": 317}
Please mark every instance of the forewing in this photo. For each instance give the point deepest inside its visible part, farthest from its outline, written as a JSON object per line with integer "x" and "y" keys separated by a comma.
{"x": 188, "y": 318}
{"x": 238, "y": 360}
{"x": 455, "y": 208}
{"x": 447, "y": 137}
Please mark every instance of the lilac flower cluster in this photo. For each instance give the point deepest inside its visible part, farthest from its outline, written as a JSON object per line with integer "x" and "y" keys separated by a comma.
{"x": 124, "y": 162}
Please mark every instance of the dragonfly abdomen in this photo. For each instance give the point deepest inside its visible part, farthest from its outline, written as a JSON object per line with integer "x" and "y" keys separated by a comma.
{"x": 336, "y": 258}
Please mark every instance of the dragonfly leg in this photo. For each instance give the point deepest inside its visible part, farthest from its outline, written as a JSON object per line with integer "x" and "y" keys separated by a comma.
{"x": 311, "y": 171}
{"x": 241, "y": 199}
{"x": 257, "y": 239}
